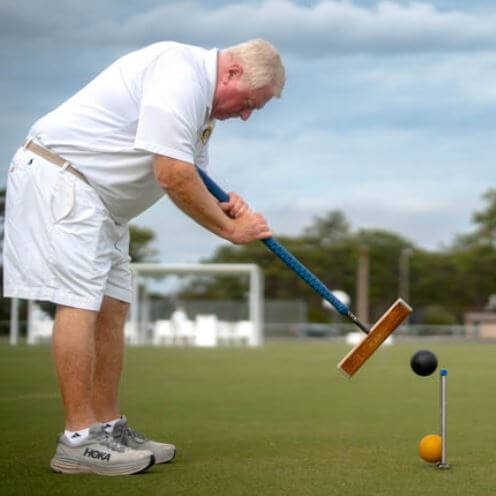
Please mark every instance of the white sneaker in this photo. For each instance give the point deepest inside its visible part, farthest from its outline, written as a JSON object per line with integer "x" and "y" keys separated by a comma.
{"x": 163, "y": 452}
{"x": 99, "y": 453}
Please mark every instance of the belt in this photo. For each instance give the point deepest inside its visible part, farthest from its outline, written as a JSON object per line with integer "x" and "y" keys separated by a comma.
{"x": 53, "y": 158}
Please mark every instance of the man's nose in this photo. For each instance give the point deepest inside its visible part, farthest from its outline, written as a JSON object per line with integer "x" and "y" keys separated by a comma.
{"x": 245, "y": 114}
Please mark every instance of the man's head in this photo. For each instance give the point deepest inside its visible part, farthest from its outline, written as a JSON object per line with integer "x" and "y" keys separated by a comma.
{"x": 248, "y": 76}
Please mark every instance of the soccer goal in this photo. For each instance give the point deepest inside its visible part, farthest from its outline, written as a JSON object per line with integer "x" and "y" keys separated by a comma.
{"x": 162, "y": 315}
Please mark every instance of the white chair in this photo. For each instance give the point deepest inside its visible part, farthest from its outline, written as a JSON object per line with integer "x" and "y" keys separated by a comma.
{"x": 225, "y": 332}
{"x": 40, "y": 331}
{"x": 131, "y": 334}
{"x": 40, "y": 324}
{"x": 163, "y": 333}
{"x": 183, "y": 328}
{"x": 206, "y": 330}
{"x": 244, "y": 333}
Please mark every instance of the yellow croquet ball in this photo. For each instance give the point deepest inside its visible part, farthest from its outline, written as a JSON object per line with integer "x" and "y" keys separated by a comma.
{"x": 430, "y": 448}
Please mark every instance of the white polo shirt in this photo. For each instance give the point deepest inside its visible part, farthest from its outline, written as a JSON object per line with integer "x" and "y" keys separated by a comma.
{"x": 156, "y": 100}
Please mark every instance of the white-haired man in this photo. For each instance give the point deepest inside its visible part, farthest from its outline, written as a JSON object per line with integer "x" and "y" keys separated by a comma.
{"x": 135, "y": 132}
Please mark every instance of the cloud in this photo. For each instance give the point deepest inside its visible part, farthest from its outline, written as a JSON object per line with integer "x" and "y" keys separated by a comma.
{"x": 317, "y": 30}
{"x": 400, "y": 180}
{"x": 387, "y": 113}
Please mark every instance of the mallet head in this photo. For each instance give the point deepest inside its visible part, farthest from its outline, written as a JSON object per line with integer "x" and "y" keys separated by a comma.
{"x": 391, "y": 319}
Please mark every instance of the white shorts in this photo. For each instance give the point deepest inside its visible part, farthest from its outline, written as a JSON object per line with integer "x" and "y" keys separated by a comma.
{"x": 61, "y": 244}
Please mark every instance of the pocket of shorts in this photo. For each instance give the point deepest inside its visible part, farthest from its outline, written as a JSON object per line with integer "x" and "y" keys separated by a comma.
{"x": 16, "y": 160}
{"x": 63, "y": 198}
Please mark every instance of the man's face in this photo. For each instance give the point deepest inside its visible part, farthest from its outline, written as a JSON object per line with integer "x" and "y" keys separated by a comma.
{"x": 235, "y": 99}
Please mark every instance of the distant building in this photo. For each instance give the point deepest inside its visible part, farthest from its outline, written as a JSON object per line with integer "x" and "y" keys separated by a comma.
{"x": 481, "y": 324}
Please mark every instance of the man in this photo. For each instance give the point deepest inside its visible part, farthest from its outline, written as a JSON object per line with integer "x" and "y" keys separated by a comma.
{"x": 101, "y": 158}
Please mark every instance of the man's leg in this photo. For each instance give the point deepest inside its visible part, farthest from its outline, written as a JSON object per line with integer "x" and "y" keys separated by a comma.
{"x": 109, "y": 352}
{"x": 74, "y": 352}
{"x": 109, "y": 340}
{"x": 78, "y": 363}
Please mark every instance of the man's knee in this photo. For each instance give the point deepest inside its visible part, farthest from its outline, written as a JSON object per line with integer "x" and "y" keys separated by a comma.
{"x": 113, "y": 311}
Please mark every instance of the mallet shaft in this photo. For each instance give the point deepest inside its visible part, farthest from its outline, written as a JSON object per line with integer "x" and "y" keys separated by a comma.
{"x": 289, "y": 259}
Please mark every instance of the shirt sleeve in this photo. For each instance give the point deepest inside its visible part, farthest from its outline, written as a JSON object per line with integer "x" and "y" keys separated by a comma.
{"x": 172, "y": 108}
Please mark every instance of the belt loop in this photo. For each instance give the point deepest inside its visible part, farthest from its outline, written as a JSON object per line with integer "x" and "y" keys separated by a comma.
{"x": 27, "y": 142}
{"x": 64, "y": 166}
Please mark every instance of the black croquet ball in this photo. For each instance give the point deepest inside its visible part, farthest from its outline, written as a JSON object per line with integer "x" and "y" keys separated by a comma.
{"x": 423, "y": 362}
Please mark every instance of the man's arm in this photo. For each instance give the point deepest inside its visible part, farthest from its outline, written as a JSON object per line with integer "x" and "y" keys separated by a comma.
{"x": 234, "y": 221}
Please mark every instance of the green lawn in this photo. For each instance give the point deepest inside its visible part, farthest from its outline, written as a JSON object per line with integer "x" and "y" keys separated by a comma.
{"x": 280, "y": 420}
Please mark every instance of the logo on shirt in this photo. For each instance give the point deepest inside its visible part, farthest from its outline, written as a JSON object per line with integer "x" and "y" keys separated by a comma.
{"x": 205, "y": 132}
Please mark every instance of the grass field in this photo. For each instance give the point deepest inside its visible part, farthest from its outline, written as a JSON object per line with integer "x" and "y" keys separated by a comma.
{"x": 274, "y": 421}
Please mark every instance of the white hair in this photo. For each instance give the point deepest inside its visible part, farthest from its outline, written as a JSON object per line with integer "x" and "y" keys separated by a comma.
{"x": 262, "y": 64}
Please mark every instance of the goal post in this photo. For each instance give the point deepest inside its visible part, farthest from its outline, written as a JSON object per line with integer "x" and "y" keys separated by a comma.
{"x": 252, "y": 271}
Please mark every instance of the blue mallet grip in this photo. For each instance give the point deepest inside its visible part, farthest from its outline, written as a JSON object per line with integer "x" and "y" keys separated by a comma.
{"x": 293, "y": 263}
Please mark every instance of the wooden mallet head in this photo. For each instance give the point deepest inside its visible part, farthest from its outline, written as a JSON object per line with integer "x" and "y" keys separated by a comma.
{"x": 391, "y": 319}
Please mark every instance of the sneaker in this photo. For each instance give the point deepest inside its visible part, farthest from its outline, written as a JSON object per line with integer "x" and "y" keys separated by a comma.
{"x": 122, "y": 433}
{"x": 100, "y": 454}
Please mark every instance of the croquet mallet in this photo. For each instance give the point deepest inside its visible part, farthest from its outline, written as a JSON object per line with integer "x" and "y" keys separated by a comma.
{"x": 375, "y": 336}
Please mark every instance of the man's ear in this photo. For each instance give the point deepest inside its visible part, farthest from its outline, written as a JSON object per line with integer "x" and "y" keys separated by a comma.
{"x": 234, "y": 71}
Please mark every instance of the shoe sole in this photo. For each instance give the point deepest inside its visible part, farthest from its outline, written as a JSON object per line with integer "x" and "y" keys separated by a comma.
{"x": 71, "y": 466}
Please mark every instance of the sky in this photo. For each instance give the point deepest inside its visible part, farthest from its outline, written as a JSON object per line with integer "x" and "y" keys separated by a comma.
{"x": 387, "y": 113}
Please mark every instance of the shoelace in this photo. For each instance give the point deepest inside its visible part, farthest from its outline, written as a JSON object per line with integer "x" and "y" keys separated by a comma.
{"x": 109, "y": 442}
{"x": 122, "y": 432}
{"x": 127, "y": 433}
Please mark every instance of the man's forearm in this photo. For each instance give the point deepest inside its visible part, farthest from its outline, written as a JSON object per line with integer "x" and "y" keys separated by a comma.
{"x": 186, "y": 189}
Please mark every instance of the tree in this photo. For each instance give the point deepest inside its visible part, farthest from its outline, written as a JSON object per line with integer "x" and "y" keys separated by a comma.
{"x": 475, "y": 256}
{"x": 436, "y": 279}
{"x": 329, "y": 228}
{"x": 486, "y": 219}
{"x": 438, "y": 315}
{"x": 139, "y": 244}
{"x": 2, "y": 217}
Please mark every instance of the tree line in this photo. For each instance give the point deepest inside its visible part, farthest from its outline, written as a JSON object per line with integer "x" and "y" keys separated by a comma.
{"x": 443, "y": 284}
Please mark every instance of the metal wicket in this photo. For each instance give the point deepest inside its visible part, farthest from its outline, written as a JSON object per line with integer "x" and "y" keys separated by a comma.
{"x": 443, "y": 417}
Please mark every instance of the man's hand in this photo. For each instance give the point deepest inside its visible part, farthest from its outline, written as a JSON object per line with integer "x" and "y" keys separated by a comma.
{"x": 249, "y": 227}
{"x": 235, "y": 207}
